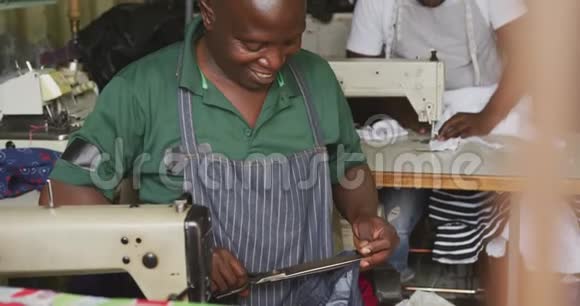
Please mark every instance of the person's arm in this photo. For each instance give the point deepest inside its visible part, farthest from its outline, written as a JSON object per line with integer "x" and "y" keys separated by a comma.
{"x": 101, "y": 152}
{"x": 67, "y": 194}
{"x": 356, "y": 199}
{"x": 356, "y": 195}
{"x": 512, "y": 42}
{"x": 354, "y": 191}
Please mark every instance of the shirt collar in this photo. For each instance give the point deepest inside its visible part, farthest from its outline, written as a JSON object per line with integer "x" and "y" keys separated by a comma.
{"x": 189, "y": 74}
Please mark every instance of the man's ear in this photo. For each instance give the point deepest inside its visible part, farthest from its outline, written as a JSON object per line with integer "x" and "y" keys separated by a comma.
{"x": 207, "y": 13}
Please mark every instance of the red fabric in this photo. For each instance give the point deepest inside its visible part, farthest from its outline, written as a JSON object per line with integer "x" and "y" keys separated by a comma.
{"x": 24, "y": 292}
{"x": 367, "y": 291}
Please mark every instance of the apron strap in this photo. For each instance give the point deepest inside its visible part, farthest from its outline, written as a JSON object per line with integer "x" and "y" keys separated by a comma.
{"x": 189, "y": 145}
{"x": 472, "y": 44}
{"x": 188, "y": 139}
{"x": 313, "y": 118}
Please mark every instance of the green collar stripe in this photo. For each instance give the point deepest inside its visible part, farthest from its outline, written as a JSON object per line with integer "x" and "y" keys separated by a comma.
{"x": 280, "y": 79}
{"x": 203, "y": 80}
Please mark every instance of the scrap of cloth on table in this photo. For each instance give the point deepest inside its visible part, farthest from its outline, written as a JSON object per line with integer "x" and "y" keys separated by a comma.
{"x": 24, "y": 170}
{"x": 386, "y": 130}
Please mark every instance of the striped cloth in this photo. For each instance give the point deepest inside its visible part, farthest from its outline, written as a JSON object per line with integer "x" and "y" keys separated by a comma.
{"x": 464, "y": 222}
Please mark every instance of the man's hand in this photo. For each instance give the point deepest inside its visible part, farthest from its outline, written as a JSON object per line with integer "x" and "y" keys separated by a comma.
{"x": 466, "y": 125}
{"x": 227, "y": 272}
{"x": 375, "y": 239}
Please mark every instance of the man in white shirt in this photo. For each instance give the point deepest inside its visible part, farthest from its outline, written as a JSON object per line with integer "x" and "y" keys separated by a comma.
{"x": 473, "y": 38}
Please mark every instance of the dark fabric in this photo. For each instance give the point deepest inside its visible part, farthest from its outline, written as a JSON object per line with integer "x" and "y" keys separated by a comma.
{"x": 118, "y": 285}
{"x": 128, "y": 32}
{"x": 323, "y": 10}
{"x": 24, "y": 170}
{"x": 319, "y": 289}
{"x": 81, "y": 153}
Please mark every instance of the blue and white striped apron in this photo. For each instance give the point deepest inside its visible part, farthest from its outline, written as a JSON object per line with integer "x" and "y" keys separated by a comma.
{"x": 270, "y": 212}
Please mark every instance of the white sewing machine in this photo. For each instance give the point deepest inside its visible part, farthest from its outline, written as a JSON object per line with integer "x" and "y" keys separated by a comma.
{"x": 421, "y": 81}
{"x": 41, "y": 108}
{"x": 163, "y": 247}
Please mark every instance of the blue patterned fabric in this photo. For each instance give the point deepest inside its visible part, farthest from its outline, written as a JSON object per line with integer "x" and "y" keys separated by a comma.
{"x": 24, "y": 170}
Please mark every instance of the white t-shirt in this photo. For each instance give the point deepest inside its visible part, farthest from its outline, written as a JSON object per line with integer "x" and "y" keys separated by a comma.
{"x": 373, "y": 18}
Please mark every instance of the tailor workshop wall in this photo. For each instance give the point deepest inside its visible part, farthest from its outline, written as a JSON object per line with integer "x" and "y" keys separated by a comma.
{"x": 27, "y": 31}
{"x": 50, "y": 22}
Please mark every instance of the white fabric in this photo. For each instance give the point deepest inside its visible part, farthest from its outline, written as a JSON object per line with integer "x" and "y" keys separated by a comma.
{"x": 454, "y": 144}
{"x": 474, "y": 99}
{"x": 422, "y": 298}
{"x": 566, "y": 242}
{"x": 372, "y": 20}
{"x": 385, "y": 130}
{"x": 447, "y": 145}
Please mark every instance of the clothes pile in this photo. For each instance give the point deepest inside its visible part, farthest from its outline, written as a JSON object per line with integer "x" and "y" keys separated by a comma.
{"x": 24, "y": 170}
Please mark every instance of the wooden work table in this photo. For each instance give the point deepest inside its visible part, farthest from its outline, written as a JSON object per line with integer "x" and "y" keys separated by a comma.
{"x": 406, "y": 162}
{"x": 473, "y": 166}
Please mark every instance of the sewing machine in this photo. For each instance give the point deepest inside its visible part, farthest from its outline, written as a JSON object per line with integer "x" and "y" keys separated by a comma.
{"x": 45, "y": 104}
{"x": 163, "y": 247}
{"x": 421, "y": 81}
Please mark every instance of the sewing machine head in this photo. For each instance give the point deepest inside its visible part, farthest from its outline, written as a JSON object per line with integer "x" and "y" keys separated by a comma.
{"x": 165, "y": 248}
{"x": 421, "y": 81}
{"x": 46, "y": 102}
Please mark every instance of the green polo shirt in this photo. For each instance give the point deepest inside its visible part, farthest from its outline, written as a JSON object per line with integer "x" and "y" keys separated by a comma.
{"x": 135, "y": 122}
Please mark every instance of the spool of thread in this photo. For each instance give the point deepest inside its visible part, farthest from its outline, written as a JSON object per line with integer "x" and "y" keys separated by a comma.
{"x": 74, "y": 14}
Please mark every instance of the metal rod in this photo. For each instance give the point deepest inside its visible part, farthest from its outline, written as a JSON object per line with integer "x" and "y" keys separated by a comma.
{"x": 50, "y": 195}
{"x": 445, "y": 290}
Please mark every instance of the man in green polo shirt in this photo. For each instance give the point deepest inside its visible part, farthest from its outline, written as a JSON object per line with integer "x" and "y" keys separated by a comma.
{"x": 247, "y": 124}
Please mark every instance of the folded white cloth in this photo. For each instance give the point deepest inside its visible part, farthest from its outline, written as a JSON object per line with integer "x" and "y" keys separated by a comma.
{"x": 386, "y": 129}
